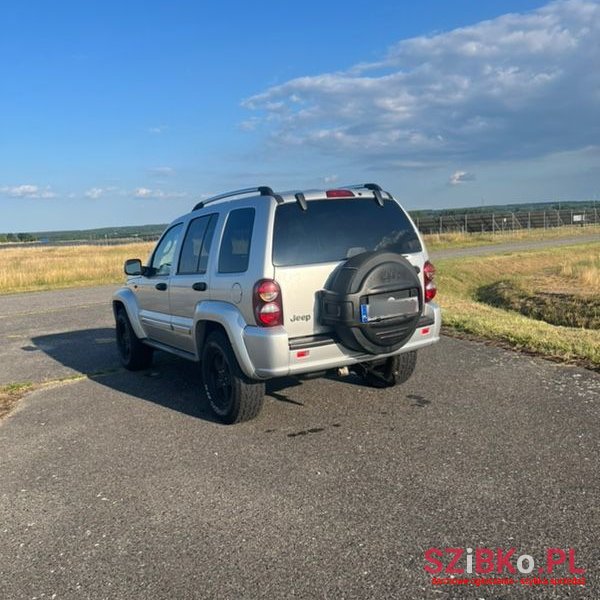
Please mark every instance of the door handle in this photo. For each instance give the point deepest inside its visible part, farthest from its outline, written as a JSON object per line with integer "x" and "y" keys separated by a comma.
{"x": 161, "y": 286}
{"x": 199, "y": 286}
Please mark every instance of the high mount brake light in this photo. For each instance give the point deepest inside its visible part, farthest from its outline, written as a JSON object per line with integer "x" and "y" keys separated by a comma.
{"x": 428, "y": 279}
{"x": 267, "y": 303}
{"x": 339, "y": 194}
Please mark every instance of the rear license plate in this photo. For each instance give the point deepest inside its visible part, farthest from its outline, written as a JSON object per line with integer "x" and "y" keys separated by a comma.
{"x": 385, "y": 306}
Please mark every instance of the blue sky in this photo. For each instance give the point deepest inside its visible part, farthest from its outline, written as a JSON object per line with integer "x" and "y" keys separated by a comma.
{"x": 119, "y": 113}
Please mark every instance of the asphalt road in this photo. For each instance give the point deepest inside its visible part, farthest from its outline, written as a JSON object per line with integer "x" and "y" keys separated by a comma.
{"x": 119, "y": 485}
{"x": 514, "y": 246}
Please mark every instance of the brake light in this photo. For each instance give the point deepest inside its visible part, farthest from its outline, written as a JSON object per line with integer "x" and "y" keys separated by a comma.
{"x": 428, "y": 280}
{"x": 267, "y": 303}
{"x": 339, "y": 194}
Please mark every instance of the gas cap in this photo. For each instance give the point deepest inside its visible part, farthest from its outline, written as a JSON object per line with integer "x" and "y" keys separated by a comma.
{"x": 236, "y": 293}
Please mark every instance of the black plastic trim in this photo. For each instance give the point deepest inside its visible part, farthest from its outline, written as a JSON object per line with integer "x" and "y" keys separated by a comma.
{"x": 312, "y": 341}
{"x": 301, "y": 200}
{"x": 425, "y": 321}
{"x": 267, "y": 191}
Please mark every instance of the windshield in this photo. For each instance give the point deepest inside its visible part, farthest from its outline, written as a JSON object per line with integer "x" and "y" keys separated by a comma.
{"x": 332, "y": 230}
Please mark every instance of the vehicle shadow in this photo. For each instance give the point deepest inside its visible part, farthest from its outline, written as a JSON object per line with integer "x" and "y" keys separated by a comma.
{"x": 171, "y": 382}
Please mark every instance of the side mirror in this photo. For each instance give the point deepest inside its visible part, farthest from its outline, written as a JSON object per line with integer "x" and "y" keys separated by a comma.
{"x": 133, "y": 267}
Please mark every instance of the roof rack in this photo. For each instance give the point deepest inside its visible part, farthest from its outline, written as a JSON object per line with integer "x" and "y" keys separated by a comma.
{"x": 263, "y": 190}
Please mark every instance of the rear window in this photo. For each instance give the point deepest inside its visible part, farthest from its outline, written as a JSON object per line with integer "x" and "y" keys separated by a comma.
{"x": 332, "y": 230}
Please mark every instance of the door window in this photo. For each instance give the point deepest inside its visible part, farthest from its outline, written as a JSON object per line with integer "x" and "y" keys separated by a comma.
{"x": 235, "y": 247}
{"x": 196, "y": 245}
{"x": 164, "y": 254}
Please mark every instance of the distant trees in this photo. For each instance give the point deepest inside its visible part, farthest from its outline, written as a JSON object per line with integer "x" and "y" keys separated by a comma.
{"x": 16, "y": 237}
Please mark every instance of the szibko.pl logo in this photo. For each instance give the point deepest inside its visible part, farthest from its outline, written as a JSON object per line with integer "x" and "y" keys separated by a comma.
{"x": 484, "y": 561}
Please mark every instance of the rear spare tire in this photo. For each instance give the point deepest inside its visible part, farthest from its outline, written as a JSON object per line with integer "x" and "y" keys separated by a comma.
{"x": 373, "y": 301}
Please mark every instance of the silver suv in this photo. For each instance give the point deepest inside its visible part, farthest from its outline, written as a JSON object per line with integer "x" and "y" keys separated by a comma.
{"x": 254, "y": 285}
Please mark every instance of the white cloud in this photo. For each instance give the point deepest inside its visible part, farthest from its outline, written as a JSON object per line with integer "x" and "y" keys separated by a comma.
{"x": 330, "y": 178}
{"x": 459, "y": 177}
{"x": 520, "y": 85}
{"x": 94, "y": 193}
{"x": 162, "y": 171}
{"x": 157, "y": 129}
{"x": 143, "y": 192}
{"x": 249, "y": 124}
{"x": 27, "y": 191}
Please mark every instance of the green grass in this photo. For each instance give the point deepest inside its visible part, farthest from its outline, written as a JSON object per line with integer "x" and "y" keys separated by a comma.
{"x": 10, "y": 394}
{"x": 556, "y": 308}
{"x": 460, "y": 282}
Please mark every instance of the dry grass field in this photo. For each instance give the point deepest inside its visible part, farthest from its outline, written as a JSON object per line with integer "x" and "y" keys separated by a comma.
{"x": 24, "y": 269}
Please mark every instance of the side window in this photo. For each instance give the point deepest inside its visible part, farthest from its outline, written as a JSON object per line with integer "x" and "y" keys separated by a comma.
{"x": 194, "y": 255}
{"x": 235, "y": 247}
{"x": 162, "y": 259}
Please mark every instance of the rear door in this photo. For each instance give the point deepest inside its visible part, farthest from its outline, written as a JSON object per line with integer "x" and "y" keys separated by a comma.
{"x": 191, "y": 282}
{"x": 309, "y": 245}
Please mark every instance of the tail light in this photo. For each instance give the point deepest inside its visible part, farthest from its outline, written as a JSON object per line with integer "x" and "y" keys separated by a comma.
{"x": 428, "y": 279}
{"x": 267, "y": 303}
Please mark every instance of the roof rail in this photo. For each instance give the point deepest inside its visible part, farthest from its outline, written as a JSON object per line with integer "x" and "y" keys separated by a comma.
{"x": 263, "y": 190}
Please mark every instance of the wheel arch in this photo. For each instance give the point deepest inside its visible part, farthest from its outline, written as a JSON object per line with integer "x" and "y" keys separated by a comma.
{"x": 212, "y": 315}
{"x": 124, "y": 299}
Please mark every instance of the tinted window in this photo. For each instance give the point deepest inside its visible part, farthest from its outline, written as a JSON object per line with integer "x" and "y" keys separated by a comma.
{"x": 235, "y": 247}
{"x": 332, "y": 230}
{"x": 162, "y": 259}
{"x": 194, "y": 255}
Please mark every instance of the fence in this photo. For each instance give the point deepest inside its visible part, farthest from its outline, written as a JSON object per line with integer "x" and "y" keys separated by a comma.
{"x": 497, "y": 222}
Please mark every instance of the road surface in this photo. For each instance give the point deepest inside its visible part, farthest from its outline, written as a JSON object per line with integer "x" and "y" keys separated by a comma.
{"x": 119, "y": 485}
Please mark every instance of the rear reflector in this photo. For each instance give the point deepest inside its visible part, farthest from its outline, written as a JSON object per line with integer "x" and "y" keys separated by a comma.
{"x": 425, "y": 331}
{"x": 302, "y": 353}
{"x": 339, "y": 194}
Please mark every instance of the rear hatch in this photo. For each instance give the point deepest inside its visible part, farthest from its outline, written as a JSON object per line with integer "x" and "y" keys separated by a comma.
{"x": 308, "y": 245}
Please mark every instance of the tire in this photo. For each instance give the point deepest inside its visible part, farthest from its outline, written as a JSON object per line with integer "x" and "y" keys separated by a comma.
{"x": 134, "y": 354}
{"x": 354, "y": 301}
{"x": 394, "y": 370}
{"x": 232, "y": 397}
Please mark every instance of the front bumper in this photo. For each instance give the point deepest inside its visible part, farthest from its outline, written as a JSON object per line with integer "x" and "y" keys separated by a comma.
{"x": 270, "y": 354}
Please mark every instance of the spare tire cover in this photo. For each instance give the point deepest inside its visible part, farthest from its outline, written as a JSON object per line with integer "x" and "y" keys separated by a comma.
{"x": 374, "y": 302}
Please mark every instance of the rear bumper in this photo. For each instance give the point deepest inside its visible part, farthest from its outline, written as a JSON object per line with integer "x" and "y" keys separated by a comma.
{"x": 270, "y": 353}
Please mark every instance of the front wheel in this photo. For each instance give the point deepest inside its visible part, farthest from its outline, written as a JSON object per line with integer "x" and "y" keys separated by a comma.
{"x": 392, "y": 371}
{"x": 134, "y": 354}
{"x": 233, "y": 397}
